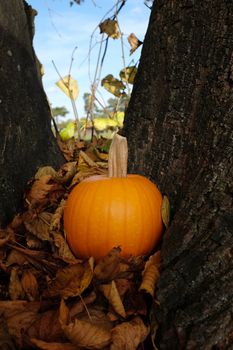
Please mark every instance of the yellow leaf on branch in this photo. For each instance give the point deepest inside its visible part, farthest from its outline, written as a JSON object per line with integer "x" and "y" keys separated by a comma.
{"x": 111, "y": 28}
{"x": 69, "y": 86}
{"x": 128, "y": 74}
{"x": 113, "y": 85}
{"x": 134, "y": 42}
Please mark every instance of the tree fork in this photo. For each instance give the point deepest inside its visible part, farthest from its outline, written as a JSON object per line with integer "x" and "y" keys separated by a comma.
{"x": 179, "y": 130}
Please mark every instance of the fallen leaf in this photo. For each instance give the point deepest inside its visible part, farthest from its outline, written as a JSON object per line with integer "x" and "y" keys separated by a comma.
{"x": 165, "y": 211}
{"x": 64, "y": 251}
{"x": 128, "y": 335}
{"x": 80, "y": 306}
{"x": 128, "y": 74}
{"x": 66, "y": 172}
{"x": 33, "y": 242}
{"x": 134, "y": 302}
{"x": 71, "y": 281}
{"x": 30, "y": 285}
{"x": 110, "y": 267}
{"x": 112, "y": 295}
{"x": 39, "y": 191}
{"x": 151, "y": 274}
{"x": 83, "y": 333}
{"x": 87, "y": 159}
{"x": 5, "y": 236}
{"x": 52, "y": 346}
{"x": 44, "y": 171}
{"x": 56, "y": 219}
{"x": 47, "y": 327}
{"x": 19, "y": 323}
{"x": 154, "y": 324}
{"x": 134, "y": 42}
{"x": 6, "y": 342}
{"x": 113, "y": 85}
{"x": 111, "y": 28}
{"x": 86, "y": 335}
{"x": 123, "y": 285}
{"x": 15, "y": 287}
{"x": 16, "y": 257}
{"x": 69, "y": 86}
{"x": 38, "y": 224}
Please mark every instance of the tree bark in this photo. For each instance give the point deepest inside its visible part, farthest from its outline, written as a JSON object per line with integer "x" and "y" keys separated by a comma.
{"x": 26, "y": 139}
{"x": 179, "y": 129}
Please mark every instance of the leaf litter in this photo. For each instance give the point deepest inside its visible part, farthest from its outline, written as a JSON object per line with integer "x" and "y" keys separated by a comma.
{"x": 49, "y": 299}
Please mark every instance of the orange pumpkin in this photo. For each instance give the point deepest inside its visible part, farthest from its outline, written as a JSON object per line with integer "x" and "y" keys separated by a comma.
{"x": 105, "y": 212}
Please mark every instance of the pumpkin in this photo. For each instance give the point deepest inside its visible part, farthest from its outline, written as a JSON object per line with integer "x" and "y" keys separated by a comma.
{"x": 123, "y": 210}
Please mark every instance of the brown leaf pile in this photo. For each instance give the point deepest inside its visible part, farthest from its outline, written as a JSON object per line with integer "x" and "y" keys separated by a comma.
{"x": 51, "y": 300}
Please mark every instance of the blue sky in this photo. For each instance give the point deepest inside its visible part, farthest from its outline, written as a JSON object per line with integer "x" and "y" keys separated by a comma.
{"x": 60, "y": 28}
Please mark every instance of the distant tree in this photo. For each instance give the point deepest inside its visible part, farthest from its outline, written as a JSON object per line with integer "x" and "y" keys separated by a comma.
{"x": 118, "y": 104}
{"x": 59, "y": 111}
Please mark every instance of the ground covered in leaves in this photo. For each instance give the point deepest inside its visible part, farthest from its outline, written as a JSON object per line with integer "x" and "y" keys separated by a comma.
{"x": 51, "y": 300}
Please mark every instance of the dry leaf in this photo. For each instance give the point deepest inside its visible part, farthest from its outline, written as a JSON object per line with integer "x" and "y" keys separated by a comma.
{"x": 110, "y": 267}
{"x": 151, "y": 274}
{"x": 81, "y": 305}
{"x": 43, "y": 171}
{"x": 134, "y": 42}
{"x": 113, "y": 85}
{"x": 87, "y": 159}
{"x": 123, "y": 285}
{"x": 111, "y": 28}
{"x": 47, "y": 327}
{"x": 39, "y": 191}
{"x": 166, "y": 211}
{"x": 6, "y": 235}
{"x": 87, "y": 335}
{"x": 64, "y": 251}
{"x": 9, "y": 307}
{"x": 15, "y": 287}
{"x": 5, "y": 338}
{"x": 71, "y": 281}
{"x": 128, "y": 335}
{"x": 69, "y": 86}
{"x": 83, "y": 333}
{"x": 52, "y": 346}
{"x": 154, "y": 324}
{"x": 111, "y": 293}
{"x": 19, "y": 323}
{"x": 33, "y": 242}
{"x": 128, "y": 74}
{"x": 38, "y": 224}
{"x": 29, "y": 285}
{"x": 66, "y": 172}
{"x": 134, "y": 302}
{"x": 16, "y": 257}
{"x": 55, "y": 224}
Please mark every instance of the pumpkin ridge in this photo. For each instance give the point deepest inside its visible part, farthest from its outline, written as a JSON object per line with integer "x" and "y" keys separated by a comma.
{"x": 140, "y": 192}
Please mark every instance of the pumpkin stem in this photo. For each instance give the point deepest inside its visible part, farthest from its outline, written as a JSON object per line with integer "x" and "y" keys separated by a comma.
{"x": 118, "y": 157}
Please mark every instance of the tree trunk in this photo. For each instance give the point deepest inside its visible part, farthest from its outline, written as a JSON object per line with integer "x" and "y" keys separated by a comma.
{"x": 26, "y": 139}
{"x": 179, "y": 128}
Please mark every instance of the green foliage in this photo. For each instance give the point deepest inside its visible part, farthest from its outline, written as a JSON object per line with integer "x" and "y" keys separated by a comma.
{"x": 59, "y": 111}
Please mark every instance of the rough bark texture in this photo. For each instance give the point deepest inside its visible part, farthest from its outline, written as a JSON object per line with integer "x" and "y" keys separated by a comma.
{"x": 179, "y": 127}
{"x": 26, "y": 140}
